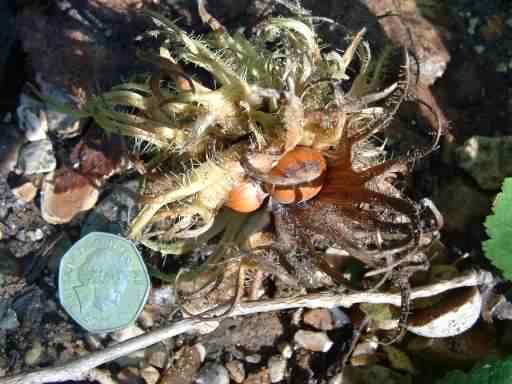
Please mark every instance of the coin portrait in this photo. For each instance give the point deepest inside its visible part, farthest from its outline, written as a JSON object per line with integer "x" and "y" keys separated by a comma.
{"x": 103, "y": 282}
{"x": 103, "y": 278}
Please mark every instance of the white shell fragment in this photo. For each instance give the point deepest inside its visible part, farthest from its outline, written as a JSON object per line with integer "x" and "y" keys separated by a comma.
{"x": 455, "y": 314}
{"x": 313, "y": 341}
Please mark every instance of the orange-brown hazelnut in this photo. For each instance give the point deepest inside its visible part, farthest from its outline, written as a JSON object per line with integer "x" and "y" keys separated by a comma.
{"x": 297, "y": 164}
{"x": 246, "y": 197}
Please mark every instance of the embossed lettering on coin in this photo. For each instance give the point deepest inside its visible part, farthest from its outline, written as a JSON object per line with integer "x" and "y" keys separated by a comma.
{"x": 103, "y": 282}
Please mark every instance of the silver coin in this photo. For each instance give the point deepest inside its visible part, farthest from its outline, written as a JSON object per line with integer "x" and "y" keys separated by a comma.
{"x": 103, "y": 282}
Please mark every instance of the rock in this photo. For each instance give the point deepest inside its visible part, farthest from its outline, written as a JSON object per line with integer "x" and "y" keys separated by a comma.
{"x": 66, "y": 193}
{"x": 201, "y": 350}
{"x": 32, "y": 236}
{"x": 9, "y": 320}
{"x": 212, "y": 373}
{"x": 253, "y": 359}
{"x": 129, "y": 375}
{"x": 126, "y": 333}
{"x": 93, "y": 342}
{"x": 340, "y": 318}
{"x": 483, "y": 158}
{"x": 254, "y": 332}
{"x": 277, "y": 368}
{"x": 63, "y": 125}
{"x": 162, "y": 296}
{"x": 114, "y": 212}
{"x": 32, "y": 118}
{"x": 320, "y": 319}
{"x": 37, "y": 157}
{"x": 157, "y": 355}
{"x": 186, "y": 364}
{"x": 313, "y": 341}
{"x": 260, "y": 377}
{"x": 417, "y": 34}
{"x": 286, "y": 350}
{"x": 146, "y": 319}
{"x": 34, "y": 354}
{"x": 236, "y": 370}
{"x": 365, "y": 353}
{"x": 25, "y": 192}
{"x": 150, "y": 375}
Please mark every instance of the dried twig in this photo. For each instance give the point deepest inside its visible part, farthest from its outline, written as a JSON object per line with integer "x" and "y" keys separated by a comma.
{"x": 79, "y": 369}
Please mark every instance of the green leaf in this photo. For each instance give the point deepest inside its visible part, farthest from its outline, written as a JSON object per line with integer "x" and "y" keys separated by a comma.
{"x": 495, "y": 372}
{"x": 498, "y": 248}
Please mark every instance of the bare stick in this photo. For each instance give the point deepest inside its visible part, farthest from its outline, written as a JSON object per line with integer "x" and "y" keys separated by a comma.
{"x": 79, "y": 368}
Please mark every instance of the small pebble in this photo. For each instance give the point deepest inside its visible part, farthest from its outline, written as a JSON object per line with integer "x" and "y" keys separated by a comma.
{"x": 236, "y": 370}
{"x": 212, "y": 373}
{"x": 61, "y": 124}
{"x": 340, "y": 318}
{"x": 163, "y": 296}
{"x": 201, "y": 350}
{"x": 253, "y": 359}
{"x": 146, "y": 319}
{"x": 157, "y": 355}
{"x": 479, "y": 49}
{"x": 128, "y": 375}
{"x": 313, "y": 341}
{"x": 9, "y": 320}
{"x": 66, "y": 355}
{"x": 150, "y": 375}
{"x": 93, "y": 342}
{"x": 502, "y": 67}
{"x": 260, "y": 377}
{"x": 184, "y": 368}
{"x": 37, "y": 157}
{"x": 286, "y": 350}
{"x": 473, "y": 23}
{"x": 34, "y": 354}
{"x": 320, "y": 319}
{"x": 4, "y": 210}
{"x": 127, "y": 333}
{"x": 32, "y": 118}
{"x": 25, "y": 192}
{"x": 35, "y": 235}
{"x": 277, "y": 368}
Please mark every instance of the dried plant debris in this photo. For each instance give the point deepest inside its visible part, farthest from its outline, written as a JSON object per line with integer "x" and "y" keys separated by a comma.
{"x": 274, "y": 149}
